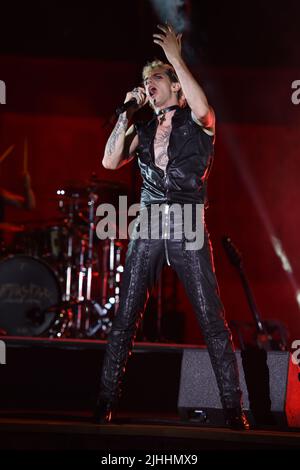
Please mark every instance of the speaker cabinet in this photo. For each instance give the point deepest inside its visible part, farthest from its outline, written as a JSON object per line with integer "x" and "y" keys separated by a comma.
{"x": 270, "y": 384}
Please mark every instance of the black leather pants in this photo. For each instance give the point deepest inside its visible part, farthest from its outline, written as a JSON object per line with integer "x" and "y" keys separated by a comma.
{"x": 144, "y": 261}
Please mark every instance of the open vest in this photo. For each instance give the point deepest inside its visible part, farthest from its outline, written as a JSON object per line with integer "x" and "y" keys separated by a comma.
{"x": 190, "y": 153}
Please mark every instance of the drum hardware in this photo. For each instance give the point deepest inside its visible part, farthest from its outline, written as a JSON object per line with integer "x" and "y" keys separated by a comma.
{"x": 83, "y": 306}
{"x": 72, "y": 282}
{"x": 81, "y": 314}
{"x": 111, "y": 281}
{"x": 63, "y": 322}
{"x": 104, "y": 321}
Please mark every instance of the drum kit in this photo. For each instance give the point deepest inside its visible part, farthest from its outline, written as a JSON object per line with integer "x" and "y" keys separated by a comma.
{"x": 60, "y": 280}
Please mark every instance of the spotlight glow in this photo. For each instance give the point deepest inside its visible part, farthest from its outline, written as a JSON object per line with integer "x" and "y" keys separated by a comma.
{"x": 281, "y": 254}
{"x": 251, "y": 186}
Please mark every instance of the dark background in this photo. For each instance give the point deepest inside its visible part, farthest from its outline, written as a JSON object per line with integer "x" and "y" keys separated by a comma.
{"x": 67, "y": 67}
{"x": 255, "y": 33}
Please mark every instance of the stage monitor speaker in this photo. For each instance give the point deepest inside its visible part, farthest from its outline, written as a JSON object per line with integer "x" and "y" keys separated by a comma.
{"x": 272, "y": 383}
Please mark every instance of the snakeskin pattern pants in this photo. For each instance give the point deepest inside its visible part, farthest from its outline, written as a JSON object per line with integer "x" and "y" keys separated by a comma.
{"x": 144, "y": 261}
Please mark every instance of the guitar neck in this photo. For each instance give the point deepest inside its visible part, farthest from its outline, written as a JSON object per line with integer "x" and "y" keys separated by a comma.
{"x": 251, "y": 301}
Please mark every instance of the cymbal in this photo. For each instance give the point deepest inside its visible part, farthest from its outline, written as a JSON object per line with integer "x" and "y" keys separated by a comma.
{"x": 7, "y": 227}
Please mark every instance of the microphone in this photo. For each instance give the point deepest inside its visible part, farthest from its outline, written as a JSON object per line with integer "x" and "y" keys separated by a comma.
{"x": 125, "y": 106}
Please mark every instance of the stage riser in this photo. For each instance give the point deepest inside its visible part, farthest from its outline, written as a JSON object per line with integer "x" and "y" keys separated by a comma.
{"x": 46, "y": 378}
{"x": 61, "y": 377}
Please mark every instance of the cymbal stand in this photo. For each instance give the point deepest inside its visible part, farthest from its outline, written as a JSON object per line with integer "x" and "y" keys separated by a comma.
{"x": 85, "y": 304}
{"x": 64, "y": 323}
{"x": 81, "y": 315}
{"x": 101, "y": 310}
{"x": 81, "y": 274}
{"x": 112, "y": 269}
{"x": 67, "y": 295}
{"x": 91, "y": 203}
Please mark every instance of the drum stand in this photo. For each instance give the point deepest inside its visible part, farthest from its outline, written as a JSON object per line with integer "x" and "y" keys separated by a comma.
{"x": 112, "y": 269}
{"x": 64, "y": 323}
{"x": 85, "y": 304}
{"x": 81, "y": 316}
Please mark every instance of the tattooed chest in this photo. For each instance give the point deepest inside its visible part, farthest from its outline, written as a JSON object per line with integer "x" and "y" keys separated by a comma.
{"x": 161, "y": 143}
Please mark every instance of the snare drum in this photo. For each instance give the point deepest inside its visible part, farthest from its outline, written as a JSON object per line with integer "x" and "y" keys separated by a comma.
{"x": 29, "y": 295}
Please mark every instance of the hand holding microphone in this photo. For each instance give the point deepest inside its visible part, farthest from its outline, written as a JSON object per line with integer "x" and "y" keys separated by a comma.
{"x": 134, "y": 100}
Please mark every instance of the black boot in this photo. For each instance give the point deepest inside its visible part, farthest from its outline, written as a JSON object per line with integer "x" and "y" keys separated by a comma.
{"x": 103, "y": 412}
{"x": 236, "y": 419}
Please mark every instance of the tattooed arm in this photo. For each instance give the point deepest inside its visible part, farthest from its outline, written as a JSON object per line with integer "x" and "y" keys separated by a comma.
{"x": 122, "y": 143}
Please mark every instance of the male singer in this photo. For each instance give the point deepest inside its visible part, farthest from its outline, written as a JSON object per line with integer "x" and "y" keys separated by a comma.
{"x": 174, "y": 152}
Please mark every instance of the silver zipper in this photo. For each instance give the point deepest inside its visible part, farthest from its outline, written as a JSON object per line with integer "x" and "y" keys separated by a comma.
{"x": 166, "y": 231}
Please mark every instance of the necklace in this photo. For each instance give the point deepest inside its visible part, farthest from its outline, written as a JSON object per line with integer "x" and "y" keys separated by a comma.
{"x": 162, "y": 112}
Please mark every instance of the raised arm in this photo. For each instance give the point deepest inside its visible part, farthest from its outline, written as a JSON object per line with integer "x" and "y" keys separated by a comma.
{"x": 194, "y": 94}
{"x": 122, "y": 143}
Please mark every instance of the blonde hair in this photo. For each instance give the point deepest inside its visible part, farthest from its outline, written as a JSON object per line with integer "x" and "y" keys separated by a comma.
{"x": 170, "y": 72}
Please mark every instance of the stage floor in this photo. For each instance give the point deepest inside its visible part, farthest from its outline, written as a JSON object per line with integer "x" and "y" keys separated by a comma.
{"x": 142, "y": 432}
{"x": 48, "y": 377}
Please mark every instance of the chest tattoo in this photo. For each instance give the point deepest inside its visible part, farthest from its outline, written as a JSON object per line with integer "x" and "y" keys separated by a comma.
{"x": 161, "y": 143}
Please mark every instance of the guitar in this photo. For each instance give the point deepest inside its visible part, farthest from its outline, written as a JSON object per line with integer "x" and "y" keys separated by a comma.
{"x": 264, "y": 339}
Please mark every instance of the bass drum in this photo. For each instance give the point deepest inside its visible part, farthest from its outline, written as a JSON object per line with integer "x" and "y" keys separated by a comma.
{"x": 30, "y": 295}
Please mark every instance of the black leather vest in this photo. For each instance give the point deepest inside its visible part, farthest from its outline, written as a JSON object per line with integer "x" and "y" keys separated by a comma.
{"x": 190, "y": 153}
